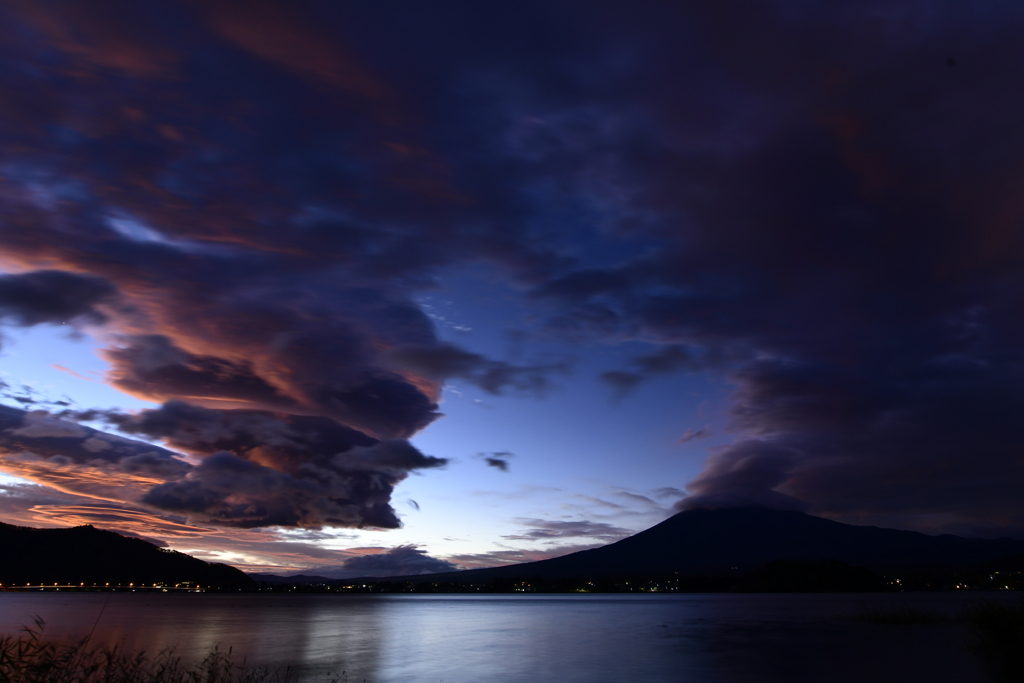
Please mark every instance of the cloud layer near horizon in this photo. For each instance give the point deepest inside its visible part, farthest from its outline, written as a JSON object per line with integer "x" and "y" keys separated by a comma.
{"x": 821, "y": 203}
{"x": 254, "y": 468}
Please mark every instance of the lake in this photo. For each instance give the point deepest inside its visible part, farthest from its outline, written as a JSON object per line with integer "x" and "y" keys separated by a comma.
{"x": 712, "y": 638}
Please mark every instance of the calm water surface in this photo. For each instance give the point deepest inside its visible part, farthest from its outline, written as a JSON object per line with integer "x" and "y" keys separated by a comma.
{"x": 529, "y": 638}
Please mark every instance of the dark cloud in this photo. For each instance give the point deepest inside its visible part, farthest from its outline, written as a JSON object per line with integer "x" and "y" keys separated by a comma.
{"x": 227, "y": 490}
{"x": 497, "y": 558}
{"x": 692, "y": 434}
{"x": 837, "y": 240}
{"x": 621, "y": 382}
{"x": 635, "y": 498}
{"x": 666, "y": 360}
{"x": 444, "y": 361}
{"x": 52, "y": 296}
{"x": 275, "y": 469}
{"x": 152, "y": 365}
{"x": 75, "y": 459}
{"x": 499, "y": 463}
{"x": 255, "y": 468}
{"x": 662, "y": 361}
{"x": 544, "y": 530}
{"x": 498, "y": 459}
{"x": 402, "y": 560}
{"x": 279, "y": 438}
{"x": 745, "y": 474}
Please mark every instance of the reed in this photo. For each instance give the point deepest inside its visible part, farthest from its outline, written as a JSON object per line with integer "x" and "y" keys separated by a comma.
{"x": 30, "y": 658}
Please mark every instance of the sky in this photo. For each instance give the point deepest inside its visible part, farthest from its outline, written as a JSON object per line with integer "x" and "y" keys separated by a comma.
{"x": 358, "y": 288}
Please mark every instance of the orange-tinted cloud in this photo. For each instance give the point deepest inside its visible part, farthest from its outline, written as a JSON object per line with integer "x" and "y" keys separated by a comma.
{"x": 280, "y": 35}
{"x": 121, "y": 520}
{"x": 101, "y": 34}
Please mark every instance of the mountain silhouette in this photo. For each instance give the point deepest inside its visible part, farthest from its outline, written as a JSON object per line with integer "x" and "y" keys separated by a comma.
{"x": 88, "y": 555}
{"x": 739, "y": 540}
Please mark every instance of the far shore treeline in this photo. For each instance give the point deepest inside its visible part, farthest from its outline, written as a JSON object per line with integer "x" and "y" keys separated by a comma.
{"x": 88, "y": 557}
{"x": 732, "y": 550}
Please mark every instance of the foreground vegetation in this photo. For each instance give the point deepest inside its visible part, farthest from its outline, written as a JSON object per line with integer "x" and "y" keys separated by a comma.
{"x": 29, "y": 658}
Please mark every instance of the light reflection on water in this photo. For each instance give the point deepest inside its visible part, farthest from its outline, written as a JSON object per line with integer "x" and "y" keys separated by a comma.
{"x": 528, "y": 638}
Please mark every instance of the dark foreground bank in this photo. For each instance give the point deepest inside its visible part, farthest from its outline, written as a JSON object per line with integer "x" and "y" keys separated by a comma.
{"x": 30, "y": 657}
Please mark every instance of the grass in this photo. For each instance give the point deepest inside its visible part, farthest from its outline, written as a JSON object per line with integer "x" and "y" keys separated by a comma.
{"x": 30, "y": 658}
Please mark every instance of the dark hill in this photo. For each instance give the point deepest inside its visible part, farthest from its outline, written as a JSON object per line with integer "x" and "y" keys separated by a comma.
{"x": 88, "y": 555}
{"x": 739, "y": 540}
